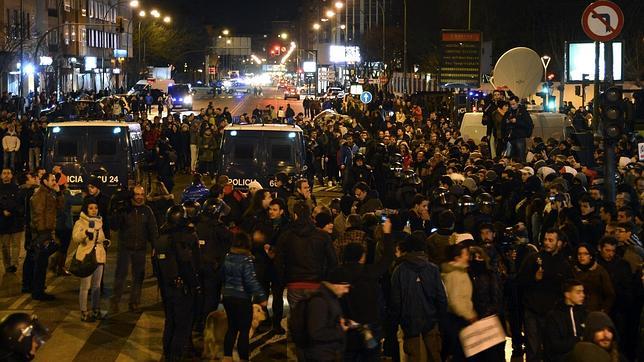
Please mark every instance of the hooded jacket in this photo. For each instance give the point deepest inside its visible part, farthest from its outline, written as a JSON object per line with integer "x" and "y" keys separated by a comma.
{"x": 304, "y": 253}
{"x": 85, "y": 243}
{"x": 590, "y": 351}
{"x": 11, "y": 142}
{"x": 564, "y": 327}
{"x": 459, "y": 290}
{"x": 418, "y": 297}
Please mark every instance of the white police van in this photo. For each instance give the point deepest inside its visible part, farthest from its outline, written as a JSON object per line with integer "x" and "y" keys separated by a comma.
{"x": 257, "y": 152}
{"x": 110, "y": 150}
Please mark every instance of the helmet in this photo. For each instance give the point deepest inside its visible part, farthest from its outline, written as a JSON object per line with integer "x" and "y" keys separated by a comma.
{"x": 18, "y": 333}
{"x": 215, "y": 208}
{"x": 192, "y": 208}
{"x": 439, "y": 196}
{"x": 466, "y": 204}
{"x": 358, "y": 156}
{"x": 485, "y": 203}
{"x": 175, "y": 214}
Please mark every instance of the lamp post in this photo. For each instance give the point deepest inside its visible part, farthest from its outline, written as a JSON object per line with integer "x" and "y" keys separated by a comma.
{"x": 404, "y": 46}
{"x": 545, "y": 61}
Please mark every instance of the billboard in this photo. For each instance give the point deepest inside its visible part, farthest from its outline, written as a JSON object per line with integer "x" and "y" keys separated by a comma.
{"x": 342, "y": 54}
{"x": 580, "y": 59}
{"x": 309, "y": 67}
{"x": 460, "y": 58}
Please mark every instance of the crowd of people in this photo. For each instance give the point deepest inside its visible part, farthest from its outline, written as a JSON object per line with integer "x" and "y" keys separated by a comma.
{"x": 434, "y": 231}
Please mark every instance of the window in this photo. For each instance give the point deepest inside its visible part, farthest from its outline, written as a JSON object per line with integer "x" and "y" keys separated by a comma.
{"x": 244, "y": 152}
{"x": 106, "y": 147}
{"x": 281, "y": 153}
{"x": 66, "y": 149}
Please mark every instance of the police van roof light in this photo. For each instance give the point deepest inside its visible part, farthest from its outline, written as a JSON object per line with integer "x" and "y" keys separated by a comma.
{"x": 291, "y": 135}
{"x": 56, "y": 129}
{"x": 233, "y": 133}
{"x": 117, "y": 130}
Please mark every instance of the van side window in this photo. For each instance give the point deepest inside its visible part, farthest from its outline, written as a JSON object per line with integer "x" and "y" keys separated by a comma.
{"x": 105, "y": 147}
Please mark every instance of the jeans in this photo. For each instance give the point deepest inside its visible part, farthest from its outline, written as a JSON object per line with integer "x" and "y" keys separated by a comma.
{"x": 535, "y": 326}
{"x": 240, "y": 315}
{"x": 9, "y": 159}
{"x": 208, "y": 301}
{"x": 177, "y": 327}
{"x": 426, "y": 347}
{"x": 7, "y": 241}
{"x": 42, "y": 247}
{"x": 451, "y": 326}
{"x": 94, "y": 282}
{"x": 193, "y": 157}
{"x": 518, "y": 152}
{"x": 124, "y": 259}
{"x": 34, "y": 158}
{"x": 271, "y": 284}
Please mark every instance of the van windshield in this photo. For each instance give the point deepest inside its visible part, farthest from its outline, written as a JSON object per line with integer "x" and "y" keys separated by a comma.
{"x": 88, "y": 144}
{"x": 179, "y": 90}
{"x": 281, "y": 148}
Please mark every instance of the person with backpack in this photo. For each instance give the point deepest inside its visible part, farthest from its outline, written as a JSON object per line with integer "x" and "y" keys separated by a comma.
{"x": 317, "y": 325}
{"x": 418, "y": 301}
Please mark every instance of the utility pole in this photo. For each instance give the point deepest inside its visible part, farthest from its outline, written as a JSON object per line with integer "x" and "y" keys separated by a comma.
{"x": 596, "y": 91}
{"x": 404, "y": 46}
{"x": 22, "y": 50}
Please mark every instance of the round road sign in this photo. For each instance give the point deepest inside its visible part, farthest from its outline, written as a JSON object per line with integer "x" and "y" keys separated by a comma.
{"x": 602, "y": 20}
{"x": 366, "y": 97}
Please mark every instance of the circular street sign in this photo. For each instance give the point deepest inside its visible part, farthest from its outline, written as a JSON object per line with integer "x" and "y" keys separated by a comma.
{"x": 602, "y": 20}
{"x": 366, "y": 97}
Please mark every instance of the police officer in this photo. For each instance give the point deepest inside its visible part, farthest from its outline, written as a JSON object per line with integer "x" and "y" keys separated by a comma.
{"x": 213, "y": 245}
{"x": 176, "y": 272}
{"x": 21, "y": 335}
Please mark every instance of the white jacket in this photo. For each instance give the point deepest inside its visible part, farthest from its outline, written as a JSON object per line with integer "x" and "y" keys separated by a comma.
{"x": 86, "y": 244}
{"x": 11, "y": 142}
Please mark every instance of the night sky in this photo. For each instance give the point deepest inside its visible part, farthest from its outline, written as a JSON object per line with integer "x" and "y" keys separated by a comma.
{"x": 244, "y": 16}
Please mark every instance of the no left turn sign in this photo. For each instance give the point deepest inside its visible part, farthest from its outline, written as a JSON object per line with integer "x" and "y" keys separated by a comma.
{"x": 602, "y": 20}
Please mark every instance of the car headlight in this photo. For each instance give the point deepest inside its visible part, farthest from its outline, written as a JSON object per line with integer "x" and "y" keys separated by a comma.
{"x": 180, "y": 99}
{"x": 188, "y": 99}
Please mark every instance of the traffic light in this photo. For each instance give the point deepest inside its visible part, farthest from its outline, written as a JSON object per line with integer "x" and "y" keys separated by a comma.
{"x": 119, "y": 25}
{"x": 611, "y": 107}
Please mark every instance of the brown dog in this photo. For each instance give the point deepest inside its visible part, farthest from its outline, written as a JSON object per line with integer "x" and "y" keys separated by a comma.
{"x": 215, "y": 331}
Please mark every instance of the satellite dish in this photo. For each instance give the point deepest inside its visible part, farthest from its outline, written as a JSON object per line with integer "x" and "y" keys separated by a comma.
{"x": 519, "y": 70}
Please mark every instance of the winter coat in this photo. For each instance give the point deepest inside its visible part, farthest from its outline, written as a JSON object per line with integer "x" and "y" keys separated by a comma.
{"x": 240, "y": 280}
{"x": 564, "y": 328}
{"x": 458, "y": 286}
{"x": 622, "y": 280}
{"x": 418, "y": 298}
{"x": 86, "y": 244}
{"x": 598, "y": 288}
{"x": 304, "y": 253}
{"x": 326, "y": 337}
{"x": 11, "y": 142}
{"x": 10, "y": 201}
{"x": 45, "y": 204}
{"x": 487, "y": 295}
{"x": 541, "y": 296}
{"x": 207, "y": 149}
{"x": 369, "y": 204}
{"x": 137, "y": 227}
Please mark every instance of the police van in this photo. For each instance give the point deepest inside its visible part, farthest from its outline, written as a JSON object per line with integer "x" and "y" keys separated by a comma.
{"x": 257, "y": 152}
{"x": 110, "y": 150}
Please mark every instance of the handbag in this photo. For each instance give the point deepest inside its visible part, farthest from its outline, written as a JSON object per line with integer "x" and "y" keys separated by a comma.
{"x": 86, "y": 267}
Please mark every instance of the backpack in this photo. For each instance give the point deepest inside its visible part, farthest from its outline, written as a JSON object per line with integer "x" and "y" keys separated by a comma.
{"x": 297, "y": 323}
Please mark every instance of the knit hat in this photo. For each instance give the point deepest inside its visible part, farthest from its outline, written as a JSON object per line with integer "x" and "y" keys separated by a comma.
{"x": 96, "y": 182}
{"x": 254, "y": 185}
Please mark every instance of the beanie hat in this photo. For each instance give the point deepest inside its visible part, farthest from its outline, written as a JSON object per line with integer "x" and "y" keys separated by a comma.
{"x": 323, "y": 219}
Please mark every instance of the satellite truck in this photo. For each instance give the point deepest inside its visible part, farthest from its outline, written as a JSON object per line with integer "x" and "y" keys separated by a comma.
{"x": 520, "y": 71}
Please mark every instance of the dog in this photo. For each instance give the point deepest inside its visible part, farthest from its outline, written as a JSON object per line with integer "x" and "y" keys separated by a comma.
{"x": 215, "y": 331}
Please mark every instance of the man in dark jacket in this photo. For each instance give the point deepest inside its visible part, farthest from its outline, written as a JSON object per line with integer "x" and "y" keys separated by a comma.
{"x": 326, "y": 328}
{"x": 541, "y": 275}
{"x": 303, "y": 255}
{"x": 359, "y": 304}
{"x": 137, "y": 228}
{"x": 418, "y": 300}
{"x": 10, "y": 217}
{"x": 365, "y": 200}
{"x": 517, "y": 127}
{"x": 565, "y": 323}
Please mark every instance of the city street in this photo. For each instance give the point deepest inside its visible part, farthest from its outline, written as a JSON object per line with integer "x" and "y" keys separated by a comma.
{"x": 122, "y": 337}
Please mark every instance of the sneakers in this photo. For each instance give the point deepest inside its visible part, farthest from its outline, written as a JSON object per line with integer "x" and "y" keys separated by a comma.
{"x": 12, "y": 269}
{"x": 87, "y": 317}
{"x": 43, "y": 297}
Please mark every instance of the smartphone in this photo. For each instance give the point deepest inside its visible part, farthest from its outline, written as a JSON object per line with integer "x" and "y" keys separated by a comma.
{"x": 92, "y": 223}
{"x": 383, "y": 218}
{"x": 391, "y": 114}
{"x": 551, "y": 198}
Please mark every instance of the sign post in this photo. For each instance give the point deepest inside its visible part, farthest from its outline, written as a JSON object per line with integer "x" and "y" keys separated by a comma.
{"x": 603, "y": 21}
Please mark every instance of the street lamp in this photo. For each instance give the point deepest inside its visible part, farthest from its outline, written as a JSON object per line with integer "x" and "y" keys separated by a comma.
{"x": 225, "y": 32}
{"x": 284, "y": 36}
{"x": 316, "y": 26}
{"x": 339, "y": 5}
{"x": 155, "y": 13}
{"x": 167, "y": 19}
{"x": 545, "y": 60}
{"x": 142, "y": 13}
{"x": 134, "y": 3}
{"x": 330, "y": 13}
